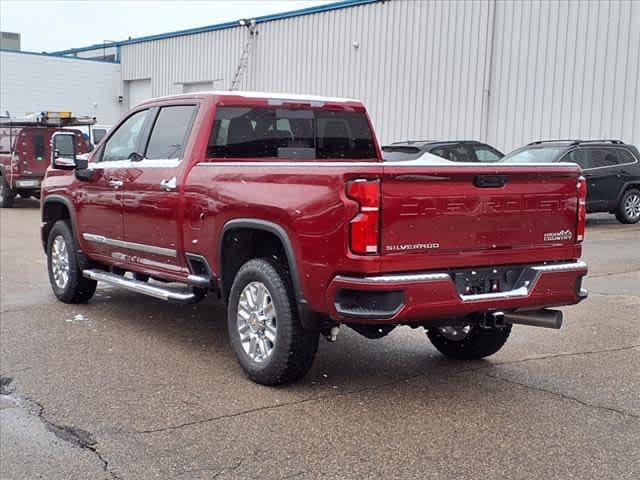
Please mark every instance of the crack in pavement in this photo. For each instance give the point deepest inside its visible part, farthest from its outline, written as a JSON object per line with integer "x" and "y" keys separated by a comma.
{"x": 558, "y": 355}
{"x": 76, "y": 437}
{"x": 217, "y": 471}
{"x": 564, "y": 396}
{"x": 277, "y": 406}
{"x": 228, "y": 469}
{"x": 371, "y": 388}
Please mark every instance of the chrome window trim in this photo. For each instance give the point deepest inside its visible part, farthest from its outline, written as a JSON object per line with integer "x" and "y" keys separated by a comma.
{"x": 359, "y": 164}
{"x": 144, "y": 163}
{"x": 141, "y": 247}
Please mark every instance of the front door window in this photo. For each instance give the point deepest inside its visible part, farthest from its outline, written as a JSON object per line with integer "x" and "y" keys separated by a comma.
{"x": 126, "y": 140}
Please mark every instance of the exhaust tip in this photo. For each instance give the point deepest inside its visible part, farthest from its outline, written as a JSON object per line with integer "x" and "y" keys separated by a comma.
{"x": 537, "y": 318}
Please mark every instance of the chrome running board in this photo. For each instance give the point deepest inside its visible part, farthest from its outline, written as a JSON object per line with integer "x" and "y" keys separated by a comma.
{"x": 172, "y": 295}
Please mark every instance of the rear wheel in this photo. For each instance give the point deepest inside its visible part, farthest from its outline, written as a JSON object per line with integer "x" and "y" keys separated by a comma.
{"x": 6, "y": 194}
{"x": 468, "y": 342}
{"x": 65, "y": 263}
{"x": 264, "y": 329}
{"x": 629, "y": 208}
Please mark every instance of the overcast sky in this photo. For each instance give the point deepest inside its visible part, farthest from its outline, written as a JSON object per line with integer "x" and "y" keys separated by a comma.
{"x": 52, "y": 25}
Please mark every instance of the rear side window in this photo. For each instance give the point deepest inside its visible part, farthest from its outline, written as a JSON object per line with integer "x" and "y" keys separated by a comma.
{"x": 626, "y": 157}
{"x": 171, "y": 132}
{"x": 392, "y": 153}
{"x": 602, "y": 158}
{"x": 240, "y": 132}
{"x": 578, "y": 156}
{"x": 484, "y": 154}
{"x": 38, "y": 146}
{"x": 534, "y": 155}
{"x": 455, "y": 154}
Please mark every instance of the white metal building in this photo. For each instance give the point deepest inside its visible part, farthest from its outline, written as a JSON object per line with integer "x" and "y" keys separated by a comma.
{"x": 506, "y": 72}
{"x": 31, "y": 82}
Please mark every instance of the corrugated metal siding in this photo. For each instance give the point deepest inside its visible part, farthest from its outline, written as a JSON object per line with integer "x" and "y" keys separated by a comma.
{"x": 565, "y": 69}
{"x": 168, "y": 63}
{"x": 418, "y": 67}
{"x": 507, "y": 72}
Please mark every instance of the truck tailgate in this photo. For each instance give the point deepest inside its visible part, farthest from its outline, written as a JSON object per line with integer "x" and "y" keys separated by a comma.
{"x": 464, "y": 211}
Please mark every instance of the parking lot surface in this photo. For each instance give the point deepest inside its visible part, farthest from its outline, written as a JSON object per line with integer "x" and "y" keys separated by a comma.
{"x": 127, "y": 387}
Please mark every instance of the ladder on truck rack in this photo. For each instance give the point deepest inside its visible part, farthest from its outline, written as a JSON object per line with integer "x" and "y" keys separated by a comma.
{"x": 246, "y": 52}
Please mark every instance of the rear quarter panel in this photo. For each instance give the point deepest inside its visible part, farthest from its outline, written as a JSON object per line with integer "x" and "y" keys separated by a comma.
{"x": 307, "y": 201}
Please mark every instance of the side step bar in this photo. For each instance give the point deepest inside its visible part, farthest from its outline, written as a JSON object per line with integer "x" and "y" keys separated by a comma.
{"x": 155, "y": 291}
{"x": 535, "y": 318}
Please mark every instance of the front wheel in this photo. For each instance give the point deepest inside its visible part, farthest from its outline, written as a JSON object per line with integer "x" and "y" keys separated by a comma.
{"x": 65, "y": 263}
{"x": 629, "y": 209}
{"x": 6, "y": 194}
{"x": 468, "y": 342}
{"x": 264, "y": 329}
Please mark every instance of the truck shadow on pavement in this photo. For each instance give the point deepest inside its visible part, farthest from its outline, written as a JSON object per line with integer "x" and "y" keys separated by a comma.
{"x": 200, "y": 331}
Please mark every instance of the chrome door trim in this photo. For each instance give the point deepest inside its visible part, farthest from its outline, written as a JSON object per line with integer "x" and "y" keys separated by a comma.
{"x": 141, "y": 247}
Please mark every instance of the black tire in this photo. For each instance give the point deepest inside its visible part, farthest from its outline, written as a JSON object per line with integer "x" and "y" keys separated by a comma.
{"x": 628, "y": 210}
{"x": 294, "y": 348}
{"x": 478, "y": 342}
{"x": 6, "y": 194}
{"x": 77, "y": 289}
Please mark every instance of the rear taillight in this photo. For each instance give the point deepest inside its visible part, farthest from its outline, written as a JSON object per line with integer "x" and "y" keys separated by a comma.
{"x": 364, "y": 228}
{"x": 582, "y": 209}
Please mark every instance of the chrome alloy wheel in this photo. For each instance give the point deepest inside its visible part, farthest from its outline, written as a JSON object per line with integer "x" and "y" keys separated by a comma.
{"x": 256, "y": 321}
{"x": 455, "y": 333}
{"x": 632, "y": 206}
{"x": 60, "y": 262}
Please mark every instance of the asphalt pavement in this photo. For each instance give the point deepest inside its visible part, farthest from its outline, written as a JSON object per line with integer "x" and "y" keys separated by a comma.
{"x": 128, "y": 387}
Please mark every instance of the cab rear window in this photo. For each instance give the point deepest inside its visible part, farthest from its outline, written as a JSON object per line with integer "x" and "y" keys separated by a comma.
{"x": 242, "y": 132}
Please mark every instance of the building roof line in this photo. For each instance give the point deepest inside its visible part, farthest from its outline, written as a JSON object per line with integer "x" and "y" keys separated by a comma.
{"x": 54, "y": 55}
{"x": 221, "y": 26}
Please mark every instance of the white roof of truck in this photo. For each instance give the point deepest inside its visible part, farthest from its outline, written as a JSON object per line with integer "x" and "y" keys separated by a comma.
{"x": 266, "y": 95}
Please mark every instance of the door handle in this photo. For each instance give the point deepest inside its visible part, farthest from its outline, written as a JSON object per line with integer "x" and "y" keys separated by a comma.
{"x": 168, "y": 185}
{"x": 115, "y": 183}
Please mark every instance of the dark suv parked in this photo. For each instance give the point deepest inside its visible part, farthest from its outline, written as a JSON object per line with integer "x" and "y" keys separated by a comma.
{"x": 454, "y": 150}
{"x": 610, "y": 166}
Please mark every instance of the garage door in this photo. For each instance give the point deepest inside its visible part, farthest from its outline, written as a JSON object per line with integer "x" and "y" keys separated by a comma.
{"x": 139, "y": 91}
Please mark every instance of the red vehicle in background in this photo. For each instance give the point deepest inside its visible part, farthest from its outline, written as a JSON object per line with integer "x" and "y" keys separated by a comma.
{"x": 25, "y": 151}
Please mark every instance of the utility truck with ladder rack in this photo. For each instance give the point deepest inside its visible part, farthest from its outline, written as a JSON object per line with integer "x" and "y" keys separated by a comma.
{"x": 25, "y": 150}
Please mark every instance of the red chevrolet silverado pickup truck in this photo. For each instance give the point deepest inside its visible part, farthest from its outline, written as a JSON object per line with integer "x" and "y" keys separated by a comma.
{"x": 282, "y": 206}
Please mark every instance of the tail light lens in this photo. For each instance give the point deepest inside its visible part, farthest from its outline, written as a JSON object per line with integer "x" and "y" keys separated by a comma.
{"x": 364, "y": 228}
{"x": 582, "y": 209}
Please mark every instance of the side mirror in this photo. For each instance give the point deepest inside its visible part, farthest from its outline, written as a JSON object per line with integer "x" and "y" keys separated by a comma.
{"x": 63, "y": 150}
